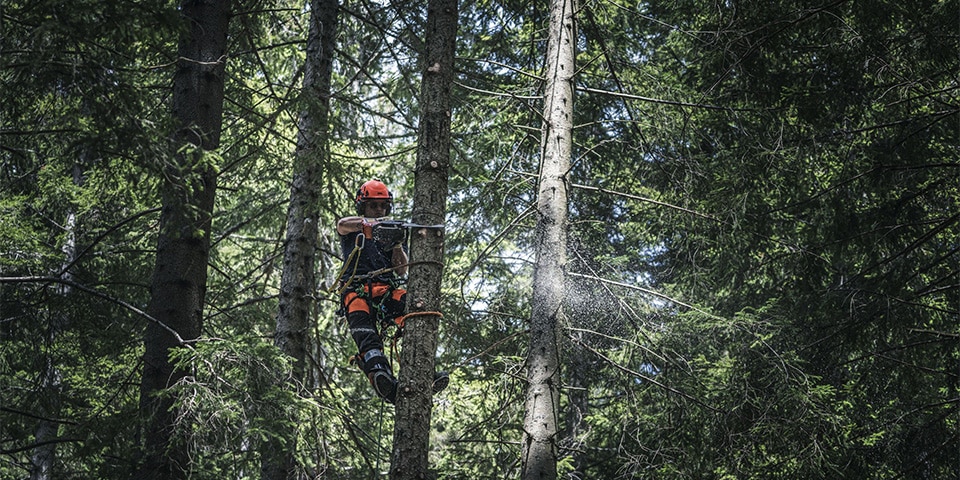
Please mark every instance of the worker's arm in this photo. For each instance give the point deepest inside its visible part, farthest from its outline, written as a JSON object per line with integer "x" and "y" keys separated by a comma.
{"x": 349, "y": 225}
{"x": 355, "y": 224}
{"x": 399, "y": 259}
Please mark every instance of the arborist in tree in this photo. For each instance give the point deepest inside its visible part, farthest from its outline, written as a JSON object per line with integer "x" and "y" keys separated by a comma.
{"x": 372, "y": 296}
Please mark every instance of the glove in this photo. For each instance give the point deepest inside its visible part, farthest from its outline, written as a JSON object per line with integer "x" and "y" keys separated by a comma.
{"x": 366, "y": 226}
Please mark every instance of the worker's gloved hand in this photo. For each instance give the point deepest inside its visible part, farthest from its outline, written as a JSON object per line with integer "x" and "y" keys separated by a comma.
{"x": 367, "y": 225}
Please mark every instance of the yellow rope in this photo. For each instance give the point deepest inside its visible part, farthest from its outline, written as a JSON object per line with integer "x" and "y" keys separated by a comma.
{"x": 354, "y": 257}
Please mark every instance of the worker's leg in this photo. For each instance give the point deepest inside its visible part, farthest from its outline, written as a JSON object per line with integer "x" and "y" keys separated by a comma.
{"x": 395, "y": 304}
{"x": 373, "y": 362}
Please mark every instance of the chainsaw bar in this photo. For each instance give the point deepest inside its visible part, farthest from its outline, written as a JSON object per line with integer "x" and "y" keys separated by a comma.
{"x": 400, "y": 224}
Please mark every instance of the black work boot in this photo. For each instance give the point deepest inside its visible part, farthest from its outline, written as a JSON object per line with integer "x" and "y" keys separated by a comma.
{"x": 378, "y": 370}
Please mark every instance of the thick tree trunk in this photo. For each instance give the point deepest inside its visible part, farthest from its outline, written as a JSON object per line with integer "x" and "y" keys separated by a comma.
{"x": 414, "y": 400}
{"x": 298, "y": 283}
{"x": 539, "y": 447}
{"x": 179, "y": 280}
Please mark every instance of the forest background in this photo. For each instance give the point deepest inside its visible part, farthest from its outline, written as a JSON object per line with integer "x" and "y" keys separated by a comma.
{"x": 762, "y": 256}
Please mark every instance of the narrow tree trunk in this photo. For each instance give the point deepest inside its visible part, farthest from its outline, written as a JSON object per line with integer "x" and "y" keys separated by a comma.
{"x": 298, "y": 283}
{"x": 44, "y": 455}
{"x": 412, "y": 428}
{"x": 179, "y": 280}
{"x": 539, "y": 455}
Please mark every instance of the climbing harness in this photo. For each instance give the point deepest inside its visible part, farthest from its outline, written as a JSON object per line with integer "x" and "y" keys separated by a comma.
{"x": 385, "y": 319}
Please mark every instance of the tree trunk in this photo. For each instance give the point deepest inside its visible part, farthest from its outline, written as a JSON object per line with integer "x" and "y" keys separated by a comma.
{"x": 414, "y": 400}
{"x": 298, "y": 283}
{"x": 43, "y": 457}
{"x": 179, "y": 280}
{"x": 539, "y": 455}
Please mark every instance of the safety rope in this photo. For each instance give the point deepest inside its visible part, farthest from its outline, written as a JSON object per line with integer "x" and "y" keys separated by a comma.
{"x": 354, "y": 257}
{"x": 400, "y": 322}
{"x": 376, "y": 469}
{"x": 402, "y": 319}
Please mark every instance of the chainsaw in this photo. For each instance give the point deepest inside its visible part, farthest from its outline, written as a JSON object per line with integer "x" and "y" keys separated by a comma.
{"x": 390, "y": 233}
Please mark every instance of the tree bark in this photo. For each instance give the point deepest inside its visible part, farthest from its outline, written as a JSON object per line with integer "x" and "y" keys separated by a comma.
{"x": 414, "y": 400}
{"x": 539, "y": 447}
{"x": 179, "y": 280}
{"x": 298, "y": 282}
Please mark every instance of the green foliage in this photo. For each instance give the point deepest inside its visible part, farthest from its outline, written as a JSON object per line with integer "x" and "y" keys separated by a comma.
{"x": 763, "y": 238}
{"x": 236, "y": 399}
{"x": 831, "y": 213}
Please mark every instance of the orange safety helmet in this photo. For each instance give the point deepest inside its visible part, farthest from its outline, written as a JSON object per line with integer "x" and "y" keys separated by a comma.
{"x": 373, "y": 190}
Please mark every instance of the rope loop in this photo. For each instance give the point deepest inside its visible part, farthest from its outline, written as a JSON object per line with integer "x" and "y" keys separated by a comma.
{"x": 402, "y": 319}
